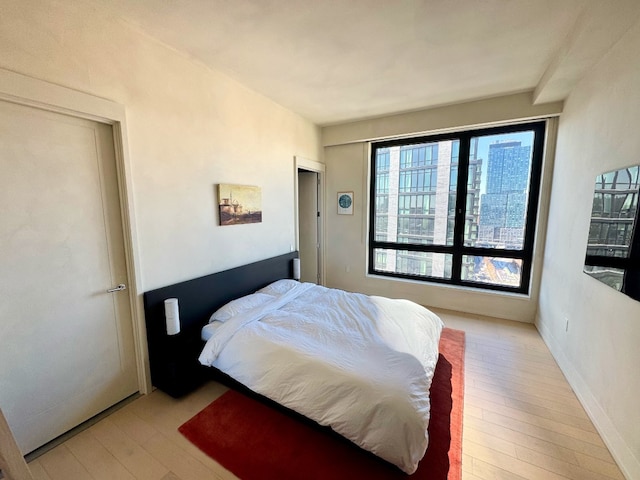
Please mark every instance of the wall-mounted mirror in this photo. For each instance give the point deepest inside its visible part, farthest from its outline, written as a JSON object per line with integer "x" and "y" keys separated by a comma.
{"x": 613, "y": 248}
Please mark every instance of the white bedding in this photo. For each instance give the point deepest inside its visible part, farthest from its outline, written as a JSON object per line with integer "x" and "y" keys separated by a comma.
{"x": 360, "y": 364}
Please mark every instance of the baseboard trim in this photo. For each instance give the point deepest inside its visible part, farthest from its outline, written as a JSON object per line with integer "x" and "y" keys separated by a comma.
{"x": 622, "y": 454}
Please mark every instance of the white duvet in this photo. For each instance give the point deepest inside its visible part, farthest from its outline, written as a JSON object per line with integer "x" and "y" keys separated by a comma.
{"x": 360, "y": 364}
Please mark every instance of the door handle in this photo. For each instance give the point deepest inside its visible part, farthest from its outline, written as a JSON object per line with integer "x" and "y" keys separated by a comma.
{"x": 120, "y": 287}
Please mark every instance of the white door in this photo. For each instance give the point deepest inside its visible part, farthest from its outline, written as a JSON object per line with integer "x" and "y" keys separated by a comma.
{"x": 308, "y": 222}
{"x": 66, "y": 345}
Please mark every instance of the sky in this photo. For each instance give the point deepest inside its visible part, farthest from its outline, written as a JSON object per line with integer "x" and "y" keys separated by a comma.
{"x": 248, "y": 196}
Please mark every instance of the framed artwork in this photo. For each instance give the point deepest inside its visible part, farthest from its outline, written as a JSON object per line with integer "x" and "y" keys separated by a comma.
{"x": 345, "y": 203}
{"x": 239, "y": 204}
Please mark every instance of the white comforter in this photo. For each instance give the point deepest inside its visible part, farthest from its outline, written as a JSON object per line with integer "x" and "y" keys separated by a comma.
{"x": 360, "y": 364}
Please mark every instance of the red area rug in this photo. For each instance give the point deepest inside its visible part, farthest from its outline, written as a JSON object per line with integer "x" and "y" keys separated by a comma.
{"x": 258, "y": 442}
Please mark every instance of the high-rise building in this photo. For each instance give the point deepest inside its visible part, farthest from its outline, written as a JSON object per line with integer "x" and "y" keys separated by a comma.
{"x": 415, "y": 203}
{"x": 615, "y": 205}
{"x": 503, "y": 205}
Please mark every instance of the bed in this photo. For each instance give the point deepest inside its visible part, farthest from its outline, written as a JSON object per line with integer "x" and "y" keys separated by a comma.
{"x": 358, "y": 364}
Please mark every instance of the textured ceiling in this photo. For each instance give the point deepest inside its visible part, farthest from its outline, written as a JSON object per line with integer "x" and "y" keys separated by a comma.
{"x": 334, "y": 61}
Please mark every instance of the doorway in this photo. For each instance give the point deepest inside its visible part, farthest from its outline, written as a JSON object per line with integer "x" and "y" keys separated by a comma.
{"x": 309, "y": 219}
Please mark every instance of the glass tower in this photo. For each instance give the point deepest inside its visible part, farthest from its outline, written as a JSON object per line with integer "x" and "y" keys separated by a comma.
{"x": 502, "y": 211}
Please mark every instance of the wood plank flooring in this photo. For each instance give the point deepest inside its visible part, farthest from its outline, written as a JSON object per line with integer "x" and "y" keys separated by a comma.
{"x": 521, "y": 421}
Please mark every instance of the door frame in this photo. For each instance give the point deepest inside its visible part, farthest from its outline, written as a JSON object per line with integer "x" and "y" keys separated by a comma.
{"x": 24, "y": 90}
{"x": 300, "y": 163}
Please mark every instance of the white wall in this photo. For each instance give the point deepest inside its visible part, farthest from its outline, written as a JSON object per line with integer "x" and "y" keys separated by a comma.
{"x": 599, "y": 353}
{"x": 189, "y": 128}
{"x": 346, "y": 156}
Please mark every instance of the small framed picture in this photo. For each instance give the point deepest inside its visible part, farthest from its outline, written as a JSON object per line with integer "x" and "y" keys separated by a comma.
{"x": 345, "y": 203}
{"x": 239, "y": 204}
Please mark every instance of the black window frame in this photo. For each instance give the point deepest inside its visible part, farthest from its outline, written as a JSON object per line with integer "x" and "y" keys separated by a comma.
{"x": 458, "y": 250}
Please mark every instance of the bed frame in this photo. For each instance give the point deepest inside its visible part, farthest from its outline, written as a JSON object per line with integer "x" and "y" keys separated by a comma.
{"x": 173, "y": 359}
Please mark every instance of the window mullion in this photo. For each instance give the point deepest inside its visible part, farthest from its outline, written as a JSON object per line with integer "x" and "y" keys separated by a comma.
{"x": 461, "y": 196}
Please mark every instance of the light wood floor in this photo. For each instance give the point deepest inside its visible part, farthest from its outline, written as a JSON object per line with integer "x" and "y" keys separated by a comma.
{"x": 521, "y": 420}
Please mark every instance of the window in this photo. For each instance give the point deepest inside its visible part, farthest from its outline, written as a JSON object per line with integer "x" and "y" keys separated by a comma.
{"x": 458, "y": 208}
{"x": 613, "y": 247}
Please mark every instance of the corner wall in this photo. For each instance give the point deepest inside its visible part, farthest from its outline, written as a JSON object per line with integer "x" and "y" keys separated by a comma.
{"x": 189, "y": 128}
{"x": 598, "y": 350}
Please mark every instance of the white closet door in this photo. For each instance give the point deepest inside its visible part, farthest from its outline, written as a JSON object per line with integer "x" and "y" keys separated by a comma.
{"x": 66, "y": 345}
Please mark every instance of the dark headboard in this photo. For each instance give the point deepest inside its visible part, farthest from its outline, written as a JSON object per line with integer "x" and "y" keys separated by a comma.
{"x": 176, "y": 355}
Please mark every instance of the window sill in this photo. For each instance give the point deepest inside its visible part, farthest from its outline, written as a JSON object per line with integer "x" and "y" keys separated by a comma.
{"x": 451, "y": 288}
